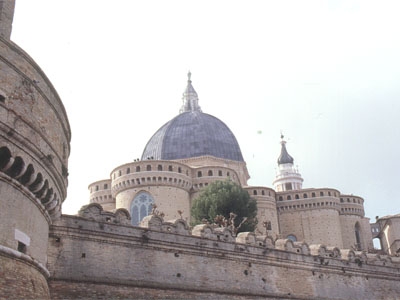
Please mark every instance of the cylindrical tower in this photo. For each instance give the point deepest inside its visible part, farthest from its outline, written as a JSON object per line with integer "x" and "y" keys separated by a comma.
{"x": 137, "y": 186}
{"x": 310, "y": 215}
{"x": 100, "y": 192}
{"x": 266, "y": 210}
{"x": 34, "y": 149}
{"x": 356, "y": 231}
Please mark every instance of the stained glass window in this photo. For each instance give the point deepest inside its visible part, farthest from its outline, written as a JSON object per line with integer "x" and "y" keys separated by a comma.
{"x": 141, "y": 207}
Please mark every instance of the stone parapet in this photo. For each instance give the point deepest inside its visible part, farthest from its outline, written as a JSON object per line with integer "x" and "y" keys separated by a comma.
{"x": 150, "y": 173}
{"x": 151, "y": 257}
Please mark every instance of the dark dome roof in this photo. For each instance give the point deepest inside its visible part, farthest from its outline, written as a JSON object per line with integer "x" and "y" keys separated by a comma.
{"x": 192, "y": 134}
{"x": 285, "y": 157}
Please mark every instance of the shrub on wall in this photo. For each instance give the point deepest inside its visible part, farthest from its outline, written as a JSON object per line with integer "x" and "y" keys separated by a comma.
{"x": 222, "y": 198}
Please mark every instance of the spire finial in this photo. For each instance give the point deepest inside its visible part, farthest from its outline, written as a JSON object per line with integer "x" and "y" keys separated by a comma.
{"x": 190, "y": 98}
{"x": 282, "y": 136}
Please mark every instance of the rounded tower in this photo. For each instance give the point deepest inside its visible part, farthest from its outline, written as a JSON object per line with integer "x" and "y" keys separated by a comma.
{"x": 356, "y": 230}
{"x": 288, "y": 177}
{"x": 310, "y": 215}
{"x": 34, "y": 149}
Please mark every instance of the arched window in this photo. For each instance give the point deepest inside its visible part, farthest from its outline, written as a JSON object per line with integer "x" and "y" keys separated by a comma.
{"x": 377, "y": 243}
{"x": 255, "y": 192}
{"x": 199, "y": 174}
{"x": 137, "y": 168}
{"x": 292, "y": 237}
{"x": 288, "y": 197}
{"x": 304, "y": 196}
{"x": 179, "y": 170}
{"x": 128, "y": 170}
{"x": 141, "y": 207}
{"x": 170, "y": 168}
{"x": 321, "y": 193}
{"x": 219, "y": 173}
{"x": 297, "y": 196}
{"x": 5, "y": 156}
{"x": 16, "y": 168}
{"x": 159, "y": 167}
{"x": 313, "y": 195}
{"x": 280, "y": 198}
{"x": 210, "y": 173}
{"x": 148, "y": 168}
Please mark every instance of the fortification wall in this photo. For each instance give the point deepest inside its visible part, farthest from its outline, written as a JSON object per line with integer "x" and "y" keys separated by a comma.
{"x": 33, "y": 121}
{"x": 6, "y": 17}
{"x": 20, "y": 277}
{"x": 96, "y": 259}
{"x": 23, "y": 220}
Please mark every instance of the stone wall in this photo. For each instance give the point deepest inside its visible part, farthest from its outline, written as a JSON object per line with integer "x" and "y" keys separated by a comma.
{"x": 6, "y": 17}
{"x": 164, "y": 260}
{"x": 23, "y": 220}
{"x": 266, "y": 209}
{"x": 348, "y": 223}
{"x": 33, "y": 121}
{"x": 390, "y": 234}
{"x": 20, "y": 277}
{"x": 320, "y": 226}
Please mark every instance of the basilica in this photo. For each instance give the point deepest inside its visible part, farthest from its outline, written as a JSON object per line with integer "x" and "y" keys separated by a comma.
{"x": 195, "y": 149}
{"x": 317, "y": 245}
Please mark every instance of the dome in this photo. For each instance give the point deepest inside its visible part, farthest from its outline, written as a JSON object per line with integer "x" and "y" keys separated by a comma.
{"x": 191, "y": 134}
{"x": 284, "y": 157}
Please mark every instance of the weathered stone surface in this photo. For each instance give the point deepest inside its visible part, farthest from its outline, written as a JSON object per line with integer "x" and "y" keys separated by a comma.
{"x": 160, "y": 264}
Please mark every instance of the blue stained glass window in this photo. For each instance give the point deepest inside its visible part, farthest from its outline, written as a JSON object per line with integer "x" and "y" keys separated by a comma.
{"x": 141, "y": 207}
{"x": 135, "y": 215}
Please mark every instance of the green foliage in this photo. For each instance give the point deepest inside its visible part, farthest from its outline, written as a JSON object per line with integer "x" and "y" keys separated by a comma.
{"x": 222, "y": 198}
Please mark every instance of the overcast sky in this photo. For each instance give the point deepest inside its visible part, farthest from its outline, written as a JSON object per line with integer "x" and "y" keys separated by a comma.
{"x": 326, "y": 73}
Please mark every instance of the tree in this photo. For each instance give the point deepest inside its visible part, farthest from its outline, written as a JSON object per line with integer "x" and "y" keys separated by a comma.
{"x": 223, "y": 198}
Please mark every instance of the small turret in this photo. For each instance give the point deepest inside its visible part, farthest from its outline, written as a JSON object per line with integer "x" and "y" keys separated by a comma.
{"x": 288, "y": 178}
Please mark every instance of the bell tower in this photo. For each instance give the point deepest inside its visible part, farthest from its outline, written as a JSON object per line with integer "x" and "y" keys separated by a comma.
{"x": 6, "y": 17}
{"x": 288, "y": 177}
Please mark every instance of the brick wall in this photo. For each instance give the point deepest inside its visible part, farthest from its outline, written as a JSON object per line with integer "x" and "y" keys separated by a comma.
{"x": 21, "y": 280}
{"x": 84, "y": 255}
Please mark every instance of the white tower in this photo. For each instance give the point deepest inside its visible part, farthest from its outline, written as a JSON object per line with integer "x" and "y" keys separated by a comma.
{"x": 288, "y": 177}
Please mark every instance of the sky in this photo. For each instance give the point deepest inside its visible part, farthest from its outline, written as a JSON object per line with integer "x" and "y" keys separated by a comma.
{"x": 325, "y": 73}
